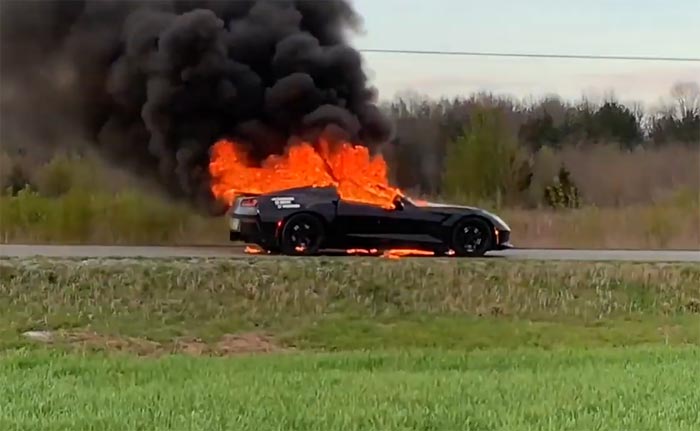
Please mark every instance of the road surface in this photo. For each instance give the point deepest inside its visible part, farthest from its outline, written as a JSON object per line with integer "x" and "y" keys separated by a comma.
{"x": 90, "y": 251}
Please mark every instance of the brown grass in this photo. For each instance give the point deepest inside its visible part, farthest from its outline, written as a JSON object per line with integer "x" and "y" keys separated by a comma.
{"x": 608, "y": 176}
{"x": 634, "y": 227}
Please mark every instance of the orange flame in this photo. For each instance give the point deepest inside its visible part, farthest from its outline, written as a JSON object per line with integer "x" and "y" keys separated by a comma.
{"x": 420, "y": 202}
{"x": 398, "y": 253}
{"x": 361, "y": 251}
{"x": 253, "y": 250}
{"x": 350, "y": 168}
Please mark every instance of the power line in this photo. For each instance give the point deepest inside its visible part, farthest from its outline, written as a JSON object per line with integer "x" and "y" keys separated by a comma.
{"x": 523, "y": 55}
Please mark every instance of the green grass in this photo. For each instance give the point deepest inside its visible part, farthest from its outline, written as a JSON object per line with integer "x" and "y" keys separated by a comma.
{"x": 343, "y": 304}
{"x": 604, "y": 389}
{"x": 357, "y": 344}
{"x": 89, "y": 217}
{"x": 474, "y": 333}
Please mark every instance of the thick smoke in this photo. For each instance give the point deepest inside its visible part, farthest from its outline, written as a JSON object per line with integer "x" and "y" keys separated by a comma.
{"x": 153, "y": 84}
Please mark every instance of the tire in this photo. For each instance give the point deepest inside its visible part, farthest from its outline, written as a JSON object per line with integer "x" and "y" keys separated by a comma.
{"x": 471, "y": 237}
{"x": 302, "y": 235}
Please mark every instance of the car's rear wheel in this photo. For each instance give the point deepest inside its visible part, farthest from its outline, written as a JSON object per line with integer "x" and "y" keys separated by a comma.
{"x": 471, "y": 237}
{"x": 302, "y": 235}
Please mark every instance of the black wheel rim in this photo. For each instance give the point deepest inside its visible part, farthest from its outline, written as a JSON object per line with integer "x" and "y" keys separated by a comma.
{"x": 302, "y": 235}
{"x": 472, "y": 238}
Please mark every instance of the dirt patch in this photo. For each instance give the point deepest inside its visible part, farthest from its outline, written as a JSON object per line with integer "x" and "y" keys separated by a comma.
{"x": 192, "y": 347}
{"x": 86, "y": 340}
{"x": 249, "y": 343}
{"x": 227, "y": 345}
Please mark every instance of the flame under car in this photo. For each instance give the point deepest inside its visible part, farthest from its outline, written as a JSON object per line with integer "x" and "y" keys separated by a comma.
{"x": 306, "y": 220}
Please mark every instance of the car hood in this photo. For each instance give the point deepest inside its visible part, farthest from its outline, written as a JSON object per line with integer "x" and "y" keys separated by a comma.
{"x": 449, "y": 206}
{"x": 457, "y": 209}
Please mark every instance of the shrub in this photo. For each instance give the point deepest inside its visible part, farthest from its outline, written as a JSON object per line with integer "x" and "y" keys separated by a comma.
{"x": 14, "y": 176}
{"x": 22, "y": 213}
{"x": 56, "y": 177}
{"x": 80, "y": 217}
{"x": 137, "y": 218}
{"x": 73, "y": 218}
{"x": 486, "y": 163}
{"x": 545, "y": 165}
{"x": 65, "y": 173}
{"x": 563, "y": 193}
{"x": 660, "y": 228}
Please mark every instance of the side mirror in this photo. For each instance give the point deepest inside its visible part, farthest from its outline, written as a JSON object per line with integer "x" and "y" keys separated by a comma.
{"x": 398, "y": 203}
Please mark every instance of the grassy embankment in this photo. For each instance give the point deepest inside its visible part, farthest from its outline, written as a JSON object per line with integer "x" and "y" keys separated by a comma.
{"x": 355, "y": 344}
{"x": 359, "y": 302}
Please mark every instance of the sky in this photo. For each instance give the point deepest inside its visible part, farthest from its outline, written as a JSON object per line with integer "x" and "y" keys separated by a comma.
{"x": 669, "y": 28}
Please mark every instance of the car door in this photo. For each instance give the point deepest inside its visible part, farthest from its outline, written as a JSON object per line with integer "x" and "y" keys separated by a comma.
{"x": 365, "y": 224}
{"x": 361, "y": 220}
{"x": 415, "y": 224}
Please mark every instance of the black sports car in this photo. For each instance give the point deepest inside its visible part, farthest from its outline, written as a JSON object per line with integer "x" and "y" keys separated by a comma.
{"x": 303, "y": 221}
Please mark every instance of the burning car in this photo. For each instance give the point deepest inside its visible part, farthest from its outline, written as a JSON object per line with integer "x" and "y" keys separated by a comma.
{"x": 336, "y": 196}
{"x": 305, "y": 220}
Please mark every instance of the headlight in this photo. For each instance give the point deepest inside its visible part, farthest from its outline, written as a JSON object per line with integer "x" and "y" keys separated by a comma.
{"x": 503, "y": 224}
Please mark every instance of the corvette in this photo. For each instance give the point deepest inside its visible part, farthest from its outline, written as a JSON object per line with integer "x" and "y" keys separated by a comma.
{"x": 306, "y": 220}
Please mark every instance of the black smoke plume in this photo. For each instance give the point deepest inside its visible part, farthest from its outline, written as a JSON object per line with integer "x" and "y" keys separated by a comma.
{"x": 153, "y": 84}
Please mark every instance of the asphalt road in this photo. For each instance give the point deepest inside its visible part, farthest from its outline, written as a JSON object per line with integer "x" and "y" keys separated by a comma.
{"x": 68, "y": 251}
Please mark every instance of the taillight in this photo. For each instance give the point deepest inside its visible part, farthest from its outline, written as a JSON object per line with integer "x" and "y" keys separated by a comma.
{"x": 249, "y": 202}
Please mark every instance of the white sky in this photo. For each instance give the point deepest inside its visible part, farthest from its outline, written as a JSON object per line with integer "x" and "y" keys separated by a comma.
{"x": 600, "y": 27}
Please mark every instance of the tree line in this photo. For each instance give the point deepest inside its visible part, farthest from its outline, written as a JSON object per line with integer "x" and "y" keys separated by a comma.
{"x": 481, "y": 147}
{"x": 491, "y": 149}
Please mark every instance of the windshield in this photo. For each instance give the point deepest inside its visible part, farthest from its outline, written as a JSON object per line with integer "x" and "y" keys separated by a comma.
{"x": 413, "y": 201}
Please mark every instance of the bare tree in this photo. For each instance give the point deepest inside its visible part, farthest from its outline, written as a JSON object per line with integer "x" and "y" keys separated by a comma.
{"x": 687, "y": 97}
{"x": 637, "y": 109}
{"x": 412, "y": 102}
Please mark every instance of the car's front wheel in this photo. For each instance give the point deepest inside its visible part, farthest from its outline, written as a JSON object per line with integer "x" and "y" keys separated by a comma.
{"x": 302, "y": 235}
{"x": 471, "y": 237}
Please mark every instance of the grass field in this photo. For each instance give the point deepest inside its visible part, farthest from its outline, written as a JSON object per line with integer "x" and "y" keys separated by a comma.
{"x": 633, "y": 389}
{"x": 316, "y": 344}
